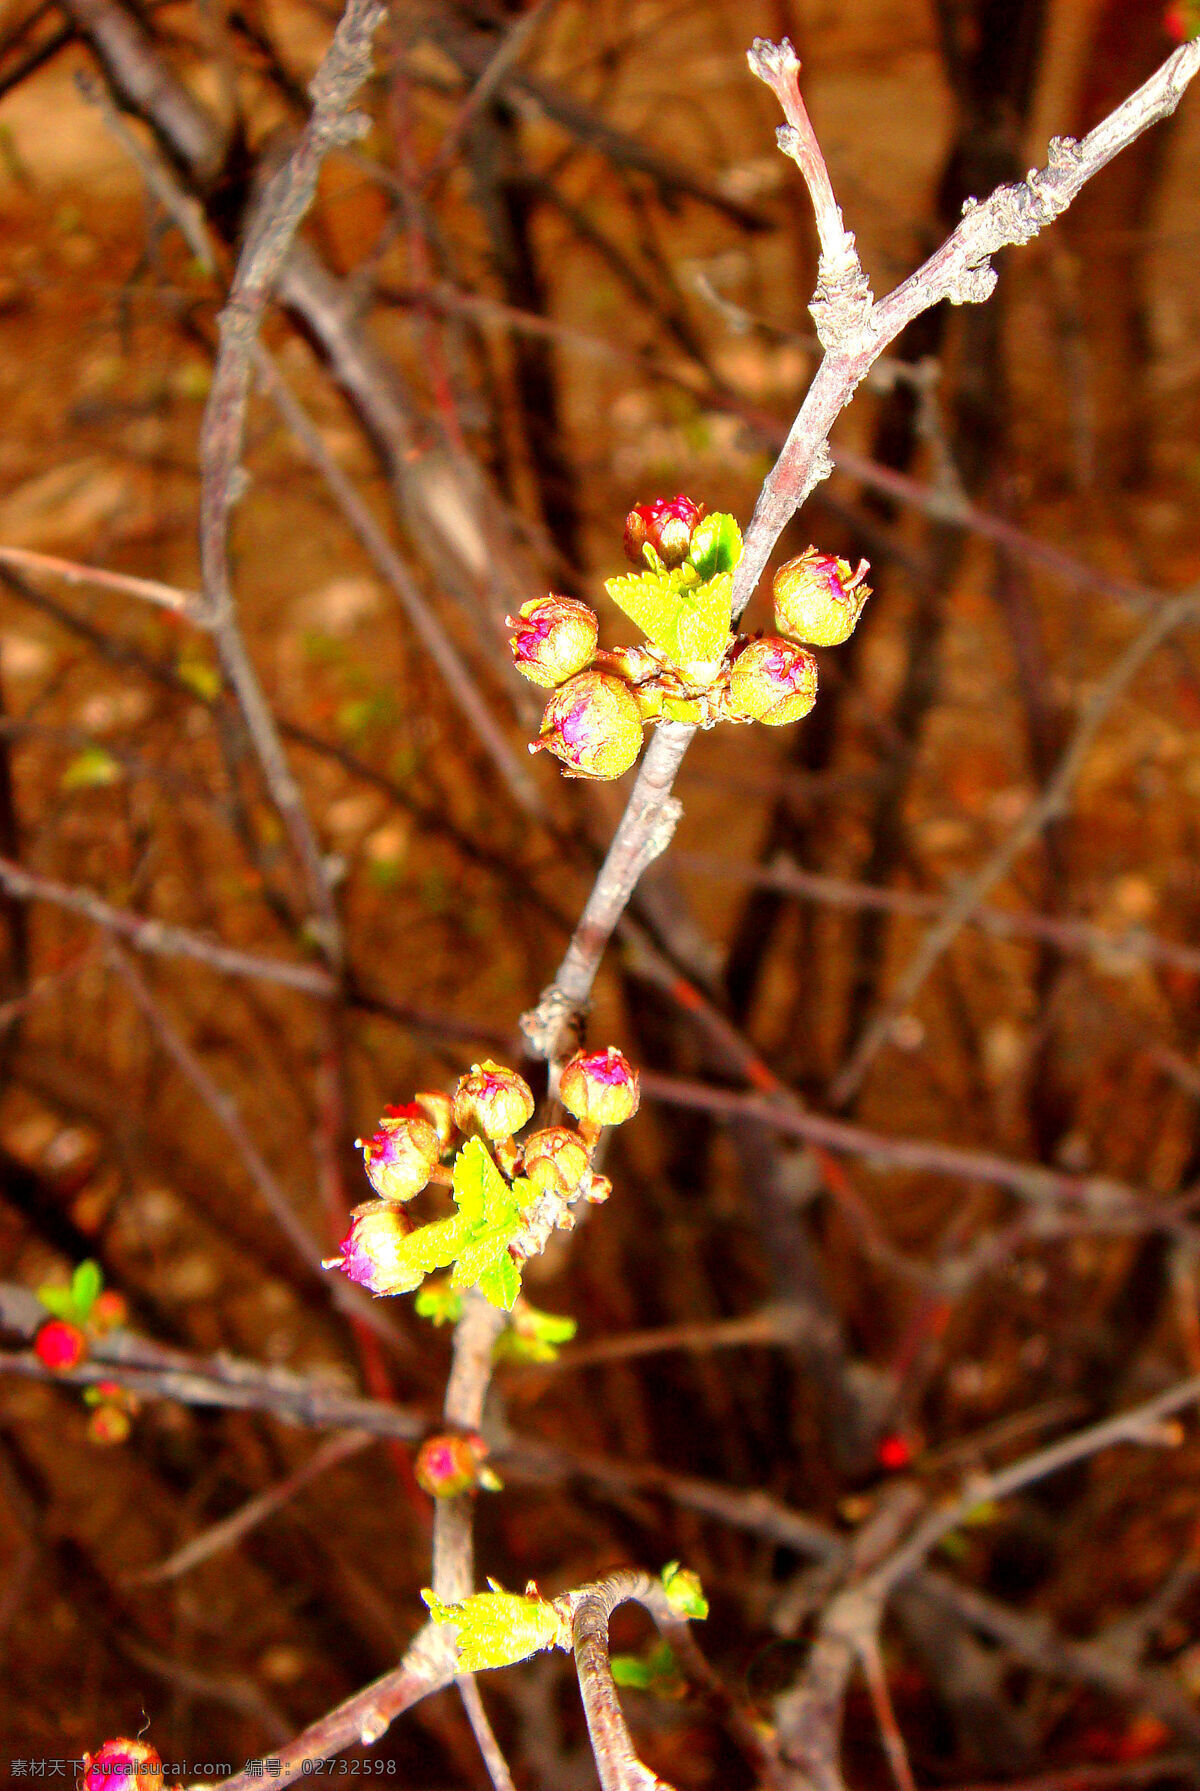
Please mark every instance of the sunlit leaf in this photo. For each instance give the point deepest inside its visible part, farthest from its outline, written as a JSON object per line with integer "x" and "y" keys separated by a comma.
{"x": 86, "y": 1283}
{"x": 716, "y": 545}
{"x": 91, "y": 769}
{"x": 498, "y": 1628}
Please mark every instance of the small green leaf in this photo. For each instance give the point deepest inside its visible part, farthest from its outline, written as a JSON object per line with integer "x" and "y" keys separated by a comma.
{"x": 58, "y": 1301}
{"x": 656, "y": 1671}
{"x": 683, "y": 1590}
{"x": 534, "y": 1336}
{"x": 629, "y": 1669}
{"x": 682, "y": 709}
{"x": 716, "y": 545}
{"x": 501, "y": 1283}
{"x": 483, "y": 1251}
{"x": 86, "y": 1283}
{"x": 439, "y": 1302}
{"x": 703, "y": 625}
{"x": 91, "y": 769}
{"x": 498, "y": 1628}
{"x": 480, "y": 1191}
{"x": 200, "y": 675}
{"x": 429, "y": 1247}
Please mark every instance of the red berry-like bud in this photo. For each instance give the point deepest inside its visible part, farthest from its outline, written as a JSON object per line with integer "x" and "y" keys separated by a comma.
{"x": 667, "y": 524}
{"x": 772, "y": 681}
{"x": 122, "y": 1765}
{"x": 818, "y": 599}
{"x": 110, "y": 1310}
{"x": 109, "y": 1425}
{"x": 555, "y": 1158}
{"x": 492, "y": 1100}
{"x": 399, "y": 1157}
{"x": 600, "y": 1088}
{"x": 593, "y": 724}
{"x": 369, "y": 1252}
{"x": 895, "y": 1452}
{"x": 60, "y": 1346}
{"x": 555, "y": 638}
{"x": 449, "y": 1465}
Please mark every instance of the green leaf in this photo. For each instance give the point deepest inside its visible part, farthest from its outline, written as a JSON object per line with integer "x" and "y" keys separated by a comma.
{"x": 534, "y": 1336}
{"x": 498, "y": 1628}
{"x": 703, "y": 624}
{"x": 429, "y": 1247}
{"x": 656, "y": 1671}
{"x": 439, "y": 1302}
{"x": 483, "y": 1250}
{"x": 501, "y": 1283}
{"x": 686, "y": 620}
{"x": 86, "y": 1283}
{"x": 683, "y": 1590}
{"x": 201, "y": 677}
{"x": 91, "y": 769}
{"x": 481, "y": 1193}
{"x": 716, "y": 545}
{"x": 58, "y": 1301}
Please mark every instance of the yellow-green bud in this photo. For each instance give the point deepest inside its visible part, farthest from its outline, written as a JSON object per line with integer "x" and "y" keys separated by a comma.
{"x": 818, "y": 599}
{"x": 772, "y": 681}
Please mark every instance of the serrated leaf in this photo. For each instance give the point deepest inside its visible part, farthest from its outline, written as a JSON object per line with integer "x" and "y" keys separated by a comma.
{"x": 483, "y": 1249}
{"x": 716, "y": 545}
{"x": 91, "y": 769}
{"x": 480, "y": 1191}
{"x": 651, "y": 600}
{"x": 429, "y": 1247}
{"x": 86, "y": 1283}
{"x": 502, "y": 1282}
{"x": 497, "y": 1628}
{"x": 684, "y": 1592}
{"x": 58, "y": 1301}
{"x": 703, "y": 624}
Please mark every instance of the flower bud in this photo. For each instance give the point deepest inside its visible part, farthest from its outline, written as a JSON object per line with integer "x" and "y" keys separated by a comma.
{"x": 110, "y": 1310}
{"x": 772, "y": 681}
{"x": 60, "y": 1345}
{"x": 370, "y": 1250}
{"x": 600, "y": 1088}
{"x": 436, "y": 1107}
{"x": 555, "y": 1159}
{"x": 555, "y": 637}
{"x": 666, "y": 524}
{"x": 492, "y": 1100}
{"x": 818, "y": 599}
{"x": 449, "y": 1465}
{"x": 399, "y": 1157}
{"x": 109, "y": 1425}
{"x": 599, "y": 1189}
{"x": 122, "y": 1765}
{"x": 593, "y": 724}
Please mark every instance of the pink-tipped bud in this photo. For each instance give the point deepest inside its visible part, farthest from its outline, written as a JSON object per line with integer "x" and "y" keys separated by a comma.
{"x": 369, "y": 1254}
{"x": 554, "y": 638}
{"x": 449, "y": 1465}
{"x": 109, "y": 1425}
{"x": 399, "y": 1157}
{"x": 122, "y": 1765}
{"x": 593, "y": 724}
{"x": 60, "y": 1345}
{"x": 818, "y": 599}
{"x": 110, "y": 1310}
{"x": 667, "y": 524}
{"x": 492, "y": 1100}
{"x": 599, "y": 1189}
{"x": 600, "y": 1088}
{"x": 772, "y": 681}
{"x": 555, "y": 1159}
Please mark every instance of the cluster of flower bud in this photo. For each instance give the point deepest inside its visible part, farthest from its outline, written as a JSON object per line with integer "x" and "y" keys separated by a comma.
{"x": 602, "y": 699}
{"x": 490, "y": 1103}
{"x": 84, "y": 1312}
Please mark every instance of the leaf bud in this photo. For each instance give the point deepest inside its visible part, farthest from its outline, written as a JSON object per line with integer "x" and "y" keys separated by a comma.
{"x": 120, "y": 1765}
{"x": 593, "y": 724}
{"x": 110, "y": 1310}
{"x": 60, "y": 1345}
{"x": 600, "y": 1088}
{"x": 818, "y": 600}
{"x": 108, "y": 1424}
{"x": 449, "y": 1465}
{"x": 666, "y": 525}
{"x": 370, "y": 1252}
{"x": 555, "y": 1159}
{"x": 772, "y": 681}
{"x": 554, "y": 638}
{"x": 399, "y": 1157}
{"x": 492, "y": 1100}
